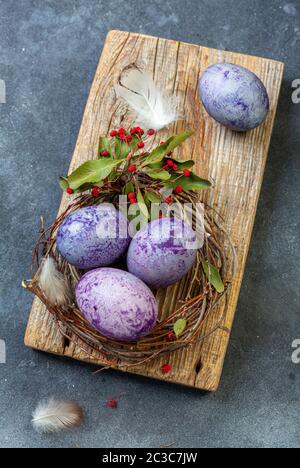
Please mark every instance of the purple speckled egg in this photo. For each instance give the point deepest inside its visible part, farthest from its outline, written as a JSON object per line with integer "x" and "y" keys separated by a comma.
{"x": 116, "y": 303}
{"x": 93, "y": 236}
{"x": 234, "y": 96}
{"x": 162, "y": 252}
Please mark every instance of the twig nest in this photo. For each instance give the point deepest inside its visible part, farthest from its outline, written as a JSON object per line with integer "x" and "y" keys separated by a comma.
{"x": 234, "y": 96}
{"x": 162, "y": 252}
{"x": 116, "y": 303}
{"x": 93, "y": 236}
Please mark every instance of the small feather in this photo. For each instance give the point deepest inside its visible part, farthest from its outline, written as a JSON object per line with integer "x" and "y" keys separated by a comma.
{"x": 152, "y": 108}
{"x": 53, "y": 283}
{"x": 53, "y": 415}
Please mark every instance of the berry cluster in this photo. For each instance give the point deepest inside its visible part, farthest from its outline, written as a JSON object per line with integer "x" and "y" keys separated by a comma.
{"x": 123, "y": 135}
{"x": 132, "y": 198}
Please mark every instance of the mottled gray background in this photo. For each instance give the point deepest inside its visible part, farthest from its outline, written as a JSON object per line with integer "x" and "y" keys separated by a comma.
{"x": 48, "y": 54}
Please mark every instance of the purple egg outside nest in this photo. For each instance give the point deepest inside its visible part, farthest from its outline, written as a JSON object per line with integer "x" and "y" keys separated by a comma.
{"x": 234, "y": 96}
{"x": 163, "y": 252}
{"x": 116, "y": 303}
{"x": 93, "y": 236}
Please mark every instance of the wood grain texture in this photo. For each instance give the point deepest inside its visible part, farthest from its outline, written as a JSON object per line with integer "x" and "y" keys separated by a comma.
{"x": 235, "y": 162}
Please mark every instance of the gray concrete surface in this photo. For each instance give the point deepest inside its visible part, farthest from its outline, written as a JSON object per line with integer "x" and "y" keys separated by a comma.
{"x": 48, "y": 54}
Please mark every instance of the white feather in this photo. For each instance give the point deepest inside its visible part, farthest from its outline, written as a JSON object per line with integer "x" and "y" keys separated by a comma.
{"x": 53, "y": 415}
{"x": 53, "y": 283}
{"x": 152, "y": 108}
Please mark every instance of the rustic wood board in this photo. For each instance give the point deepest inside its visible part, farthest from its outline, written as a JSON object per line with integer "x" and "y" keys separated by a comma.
{"x": 235, "y": 162}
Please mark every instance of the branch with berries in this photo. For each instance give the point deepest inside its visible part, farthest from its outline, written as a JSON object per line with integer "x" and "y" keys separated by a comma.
{"x": 129, "y": 163}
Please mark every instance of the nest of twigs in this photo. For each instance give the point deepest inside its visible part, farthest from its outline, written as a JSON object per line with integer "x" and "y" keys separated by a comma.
{"x": 196, "y": 298}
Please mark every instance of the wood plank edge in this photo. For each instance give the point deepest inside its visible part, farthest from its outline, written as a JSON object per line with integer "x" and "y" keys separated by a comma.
{"x": 190, "y": 44}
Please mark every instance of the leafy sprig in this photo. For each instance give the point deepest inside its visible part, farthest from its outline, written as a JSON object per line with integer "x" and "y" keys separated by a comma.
{"x": 124, "y": 165}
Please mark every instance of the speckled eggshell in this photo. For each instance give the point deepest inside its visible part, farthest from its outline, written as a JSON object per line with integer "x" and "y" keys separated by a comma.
{"x": 234, "y": 96}
{"x": 116, "y": 303}
{"x": 93, "y": 236}
{"x": 158, "y": 253}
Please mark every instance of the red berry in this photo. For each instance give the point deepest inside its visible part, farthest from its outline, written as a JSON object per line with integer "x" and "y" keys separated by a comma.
{"x": 186, "y": 172}
{"x": 131, "y": 195}
{"x": 121, "y": 131}
{"x": 170, "y": 162}
{"x": 70, "y": 190}
{"x": 113, "y": 133}
{"x": 133, "y": 201}
{"x": 141, "y": 144}
{"x": 128, "y": 138}
{"x": 171, "y": 336}
{"x": 104, "y": 153}
{"x": 151, "y": 132}
{"x": 140, "y": 130}
{"x": 96, "y": 191}
{"x": 112, "y": 403}
{"x": 166, "y": 167}
{"x": 166, "y": 368}
{"x": 133, "y": 131}
{"x": 175, "y": 168}
{"x": 132, "y": 169}
{"x": 179, "y": 189}
{"x": 168, "y": 200}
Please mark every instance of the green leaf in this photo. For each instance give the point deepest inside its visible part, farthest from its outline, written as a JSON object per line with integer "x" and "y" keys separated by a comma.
{"x": 158, "y": 154}
{"x": 122, "y": 149}
{"x": 179, "y": 327}
{"x": 153, "y": 197}
{"x": 88, "y": 186}
{"x": 178, "y": 140}
{"x": 158, "y": 165}
{"x": 64, "y": 183}
{"x": 142, "y": 204}
{"x": 162, "y": 175}
{"x": 104, "y": 146}
{"x": 92, "y": 171}
{"x": 129, "y": 187}
{"x": 155, "y": 156}
{"x": 213, "y": 276}
{"x": 193, "y": 182}
{"x": 185, "y": 164}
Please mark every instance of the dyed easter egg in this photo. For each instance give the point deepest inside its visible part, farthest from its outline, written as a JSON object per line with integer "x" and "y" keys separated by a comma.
{"x": 234, "y": 96}
{"x": 162, "y": 252}
{"x": 93, "y": 236}
{"x": 116, "y": 303}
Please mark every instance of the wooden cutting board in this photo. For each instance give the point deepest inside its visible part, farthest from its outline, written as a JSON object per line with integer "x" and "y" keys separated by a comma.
{"x": 235, "y": 162}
